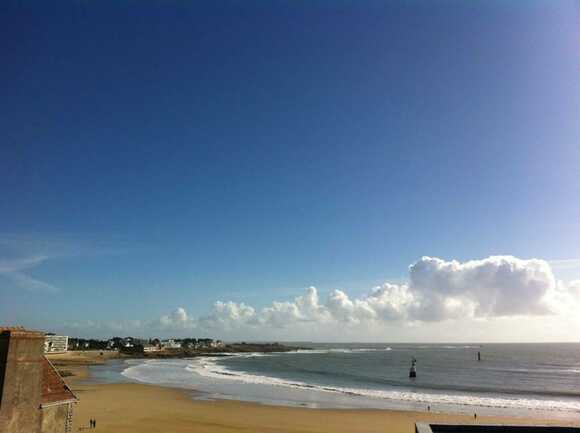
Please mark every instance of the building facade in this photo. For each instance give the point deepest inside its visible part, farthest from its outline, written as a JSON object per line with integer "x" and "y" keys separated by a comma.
{"x": 170, "y": 344}
{"x": 150, "y": 348}
{"x": 55, "y": 344}
{"x": 33, "y": 396}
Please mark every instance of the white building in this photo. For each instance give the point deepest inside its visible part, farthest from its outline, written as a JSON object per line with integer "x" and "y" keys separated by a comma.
{"x": 151, "y": 348}
{"x": 171, "y": 344}
{"x": 55, "y": 343}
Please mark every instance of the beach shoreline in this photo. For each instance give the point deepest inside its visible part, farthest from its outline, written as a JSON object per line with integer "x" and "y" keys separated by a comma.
{"x": 126, "y": 408}
{"x": 136, "y": 407}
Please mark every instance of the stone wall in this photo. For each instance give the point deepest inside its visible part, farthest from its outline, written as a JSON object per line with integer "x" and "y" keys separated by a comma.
{"x": 54, "y": 418}
{"x": 21, "y": 369}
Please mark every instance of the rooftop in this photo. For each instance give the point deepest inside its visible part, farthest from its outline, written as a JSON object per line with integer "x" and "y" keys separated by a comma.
{"x": 19, "y": 331}
{"x": 54, "y": 389}
{"x": 492, "y": 428}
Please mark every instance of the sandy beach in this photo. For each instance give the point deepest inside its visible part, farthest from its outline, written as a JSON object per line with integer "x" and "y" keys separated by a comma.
{"x": 83, "y": 357}
{"x": 139, "y": 408}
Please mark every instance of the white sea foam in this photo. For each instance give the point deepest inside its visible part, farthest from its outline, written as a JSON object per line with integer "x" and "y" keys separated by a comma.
{"x": 209, "y": 367}
{"x": 341, "y": 350}
{"x": 184, "y": 372}
{"x": 448, "y": 346}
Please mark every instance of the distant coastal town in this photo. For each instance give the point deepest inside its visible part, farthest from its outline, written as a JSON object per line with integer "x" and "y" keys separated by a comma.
{"x": 156, "y": 347}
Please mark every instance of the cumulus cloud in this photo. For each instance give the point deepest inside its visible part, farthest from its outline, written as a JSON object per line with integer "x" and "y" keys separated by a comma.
{"x": 564, "y": 298}
{"x": 227, "y": 315}
{"x": 495, "y": 286}
{"x": 305, "y": 308}
{"x": 574, "y": 287}
{"x": 498, "y": 286}
{"x": 391, "y": 301}
{"x": 344, "y": 309}
{"x": 178, "y": 319}
{"x": 437, "y": 291}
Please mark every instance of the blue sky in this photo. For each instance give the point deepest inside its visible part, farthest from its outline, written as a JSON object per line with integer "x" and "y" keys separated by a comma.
{"x": 158, "y": 155}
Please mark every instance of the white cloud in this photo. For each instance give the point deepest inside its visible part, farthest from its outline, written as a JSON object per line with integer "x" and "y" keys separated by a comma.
{"x": 443, "y": 293}
{"x": 391, "y": 301}
{"x": 228, "y": 314}
{"x": 564, "y": 298}
{"x": 343, "y": 309}
{"x": 437, "y": 290}
{"x": 574, "y": 287}
{"x": 310, "y": 307}
{"x": 12, "y": 270}
{"x": 178, "y": 319}
{"x": 495, "y": 286}
{"x": 305, "y": 308}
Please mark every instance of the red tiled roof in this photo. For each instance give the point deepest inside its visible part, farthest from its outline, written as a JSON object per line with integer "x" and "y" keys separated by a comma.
{"x": 54, "y": 390}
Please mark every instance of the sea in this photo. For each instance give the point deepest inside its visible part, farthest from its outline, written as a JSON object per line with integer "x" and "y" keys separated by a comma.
{"x": 540, "y": 380}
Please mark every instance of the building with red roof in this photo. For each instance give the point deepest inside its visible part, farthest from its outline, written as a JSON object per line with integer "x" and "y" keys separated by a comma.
{"x": 33, "y": 396}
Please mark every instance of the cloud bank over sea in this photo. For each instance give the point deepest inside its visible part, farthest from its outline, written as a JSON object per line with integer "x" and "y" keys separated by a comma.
{"x": 437, "y": 291}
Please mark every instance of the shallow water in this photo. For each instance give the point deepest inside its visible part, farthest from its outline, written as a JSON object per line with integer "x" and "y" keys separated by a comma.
{"x": 511, "y": 379}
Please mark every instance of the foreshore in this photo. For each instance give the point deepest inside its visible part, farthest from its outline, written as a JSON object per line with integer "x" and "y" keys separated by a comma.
{"x": 139, "y": 408}
{"x": 73, "y": 365}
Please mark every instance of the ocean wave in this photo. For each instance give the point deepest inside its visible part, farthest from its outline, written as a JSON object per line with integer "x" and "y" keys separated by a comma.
{"x": 339, "y": 350}
{"x": 461, "y": 347}
{"x": 535, "y": 371}
{"x": 385, "y": 349}
{"x": 210, "y": 368}
{"x": 446, "y": 346}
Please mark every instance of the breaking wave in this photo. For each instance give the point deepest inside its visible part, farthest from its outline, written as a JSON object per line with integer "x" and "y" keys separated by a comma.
{"x": 183, "y": 373}
{"x": 209, "y": 367}
{"x": 321, "y": 351}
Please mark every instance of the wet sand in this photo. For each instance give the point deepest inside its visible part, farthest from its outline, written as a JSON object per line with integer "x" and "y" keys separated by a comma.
{"x": 83, "y": 357}
{"x": 73, "y": 365}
